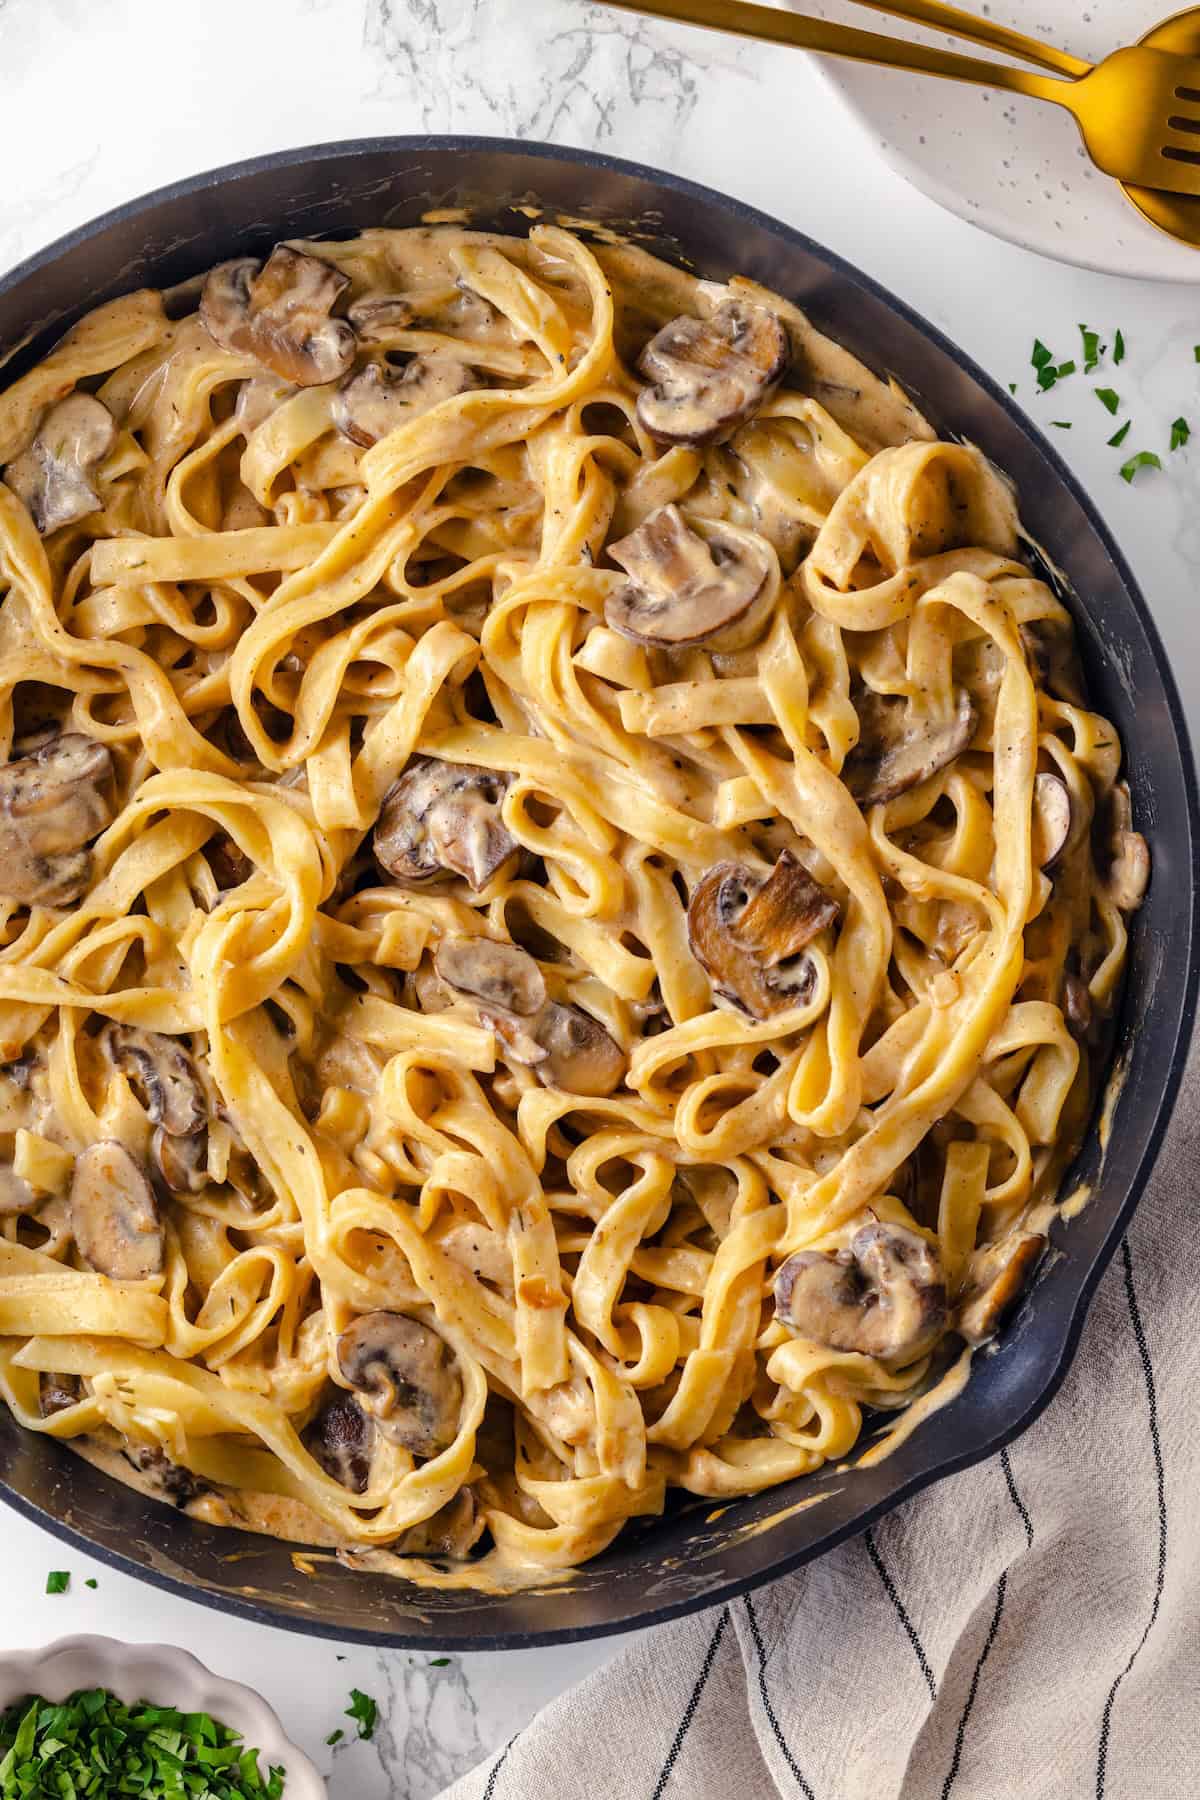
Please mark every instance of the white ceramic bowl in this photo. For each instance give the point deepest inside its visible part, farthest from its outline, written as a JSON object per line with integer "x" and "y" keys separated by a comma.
{"x": 166, "y": 1677}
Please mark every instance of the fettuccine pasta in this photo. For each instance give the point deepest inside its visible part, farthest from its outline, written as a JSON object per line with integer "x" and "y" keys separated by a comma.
{"x": 561, "y": 897}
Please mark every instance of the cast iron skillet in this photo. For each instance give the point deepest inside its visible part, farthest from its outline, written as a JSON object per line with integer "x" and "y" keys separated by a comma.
{"x": 692, "y": 1557}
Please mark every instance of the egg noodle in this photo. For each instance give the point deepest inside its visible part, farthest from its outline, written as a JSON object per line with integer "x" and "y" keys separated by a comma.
{"x": 322, "y": 1214}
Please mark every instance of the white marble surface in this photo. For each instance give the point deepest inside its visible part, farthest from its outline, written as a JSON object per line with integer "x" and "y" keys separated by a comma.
{"x": 102, "y": 99}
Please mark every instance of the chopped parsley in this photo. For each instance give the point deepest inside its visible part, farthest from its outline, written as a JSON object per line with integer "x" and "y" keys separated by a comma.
{"x": 1196, "y": 351}
{"x": 91, "y": 1582}
{"x": 1118, "y": 347}
{"x": 92, "y": 1744}
{"x": 1092, "y": 350}
{"x": 335, "y": 1737}
{"x": 1181, "y": 431}
{"x": 1063, "y": 424}
{"x": 1108, "y": 398}
{"x": 363, "y": 1710}
{"x": 1145, "y": 459}
{"x": 58, "y": 1581}
{"x": 1118, "y": 437}
{"x": 440, "y": 1662}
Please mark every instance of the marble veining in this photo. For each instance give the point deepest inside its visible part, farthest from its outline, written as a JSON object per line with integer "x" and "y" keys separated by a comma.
{"x": 99, "y": 103}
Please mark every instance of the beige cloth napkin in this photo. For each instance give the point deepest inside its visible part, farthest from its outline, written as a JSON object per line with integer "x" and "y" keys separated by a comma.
{"x": 1029, "y": 1628}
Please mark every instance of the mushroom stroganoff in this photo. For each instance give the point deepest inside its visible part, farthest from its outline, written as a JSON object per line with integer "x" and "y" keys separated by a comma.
{"x": 562, "y": 896}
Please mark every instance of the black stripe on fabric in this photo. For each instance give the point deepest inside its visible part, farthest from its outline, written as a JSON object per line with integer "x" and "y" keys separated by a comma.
{"x": 689, "y": 1711}
{"x": 772, "y": 1721}
{"x": 490, "y": 1790}
{"x": 910, "y": 1630}
{"x": 1016, "y": 1499}
{"x": 1160, "y": 1482}
{"x": 961, "y": 1733}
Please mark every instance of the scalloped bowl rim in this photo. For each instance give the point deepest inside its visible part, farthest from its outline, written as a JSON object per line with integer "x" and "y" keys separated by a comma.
{"x": 166, "y": 1676}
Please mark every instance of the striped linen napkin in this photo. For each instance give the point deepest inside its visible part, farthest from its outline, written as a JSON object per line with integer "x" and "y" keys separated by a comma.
{"x": 1026, "y": 1630}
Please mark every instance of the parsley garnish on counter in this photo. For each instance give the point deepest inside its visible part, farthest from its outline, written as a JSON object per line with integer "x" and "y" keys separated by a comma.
{"x": 1181, "y": 431}
{"x": 363, "y": 1710}
{"x": 58, "y": 1581}
{"x": 95, "y": 1745}
{"x": 1145, "y": 459}
{"x": 1108, "y": 399}
{"x": 1118, "y": 437}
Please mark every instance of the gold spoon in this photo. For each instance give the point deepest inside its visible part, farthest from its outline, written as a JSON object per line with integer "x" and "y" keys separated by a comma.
{"x": 1176, "y": 214}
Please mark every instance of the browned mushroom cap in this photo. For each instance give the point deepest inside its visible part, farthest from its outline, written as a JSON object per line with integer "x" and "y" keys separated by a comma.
{"x": 1053, "y": 817}
{"x": 52, "y": 804}
{"x": 1123, "y": 853}
{"x": 114, "y": 1215}
{"x": 748, "y": 933}
{"x": 580, "y": 1056}
{"x": 884, "y": 1295}
{"x": 444, "y": 818}
{"x": 996, "y": 1277}
{"x": 685, "y": 588}
{"x": 407, "y": 1377}
{"x": 451, "y": 1531}
{"x": 501, "y": 974}
{"x": 57, "y": 1393}
{"x": 279, "y": 313}
{"x": 898, "y": 746}
{"x": 378, "y": 400}
{"x": 710, "y": 374}
{"x": 51, "y": 477}
{"x": 340, "y": 1439}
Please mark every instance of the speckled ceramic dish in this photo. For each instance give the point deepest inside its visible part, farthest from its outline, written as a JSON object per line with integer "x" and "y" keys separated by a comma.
{"x": 166, "y": 1677}
{"x": 1012, "y": 165}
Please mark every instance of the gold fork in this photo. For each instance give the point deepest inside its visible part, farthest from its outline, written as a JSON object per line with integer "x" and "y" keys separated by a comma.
{"x": 1138, "y": 110}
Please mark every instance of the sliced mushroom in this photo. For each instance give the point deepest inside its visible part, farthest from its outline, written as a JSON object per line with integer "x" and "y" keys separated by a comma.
{"x": 1053, "y": 817}
{"x": 161, "y": 1074}
{"x": 52, "y": 476}
{"x": 1123, "y": 853}
{"x": 164, "y": 1078}
{"x": 407, "y": 1378}
{"x": 451, "y": 1531}
{"x": 378, "y": 399}
{"x": 898, "y": 746}
{"x": 685, "y": 588}
{"x": 749, "y": 933}
{"x": 52, "y": 804}
{"x": 230, "y": 866}
{"x": 500, "y": 974}
{"x": 376, "y": 316}
{"x": 709, "y": 375}
{"x": 444, "y": 818}
{"x": 279, "y": 313}
{"x": 169, "y": 1479}
{"x": 580, "y": 1056}
{"x": 883, "y": 1295}
{"x": 340, "y": 1440}
{"x": 114, "y": 1215}
{"x": 1076, "y": 1005}
{"x": 996, "y": 1277}
{"x": 57, "y": 1393}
